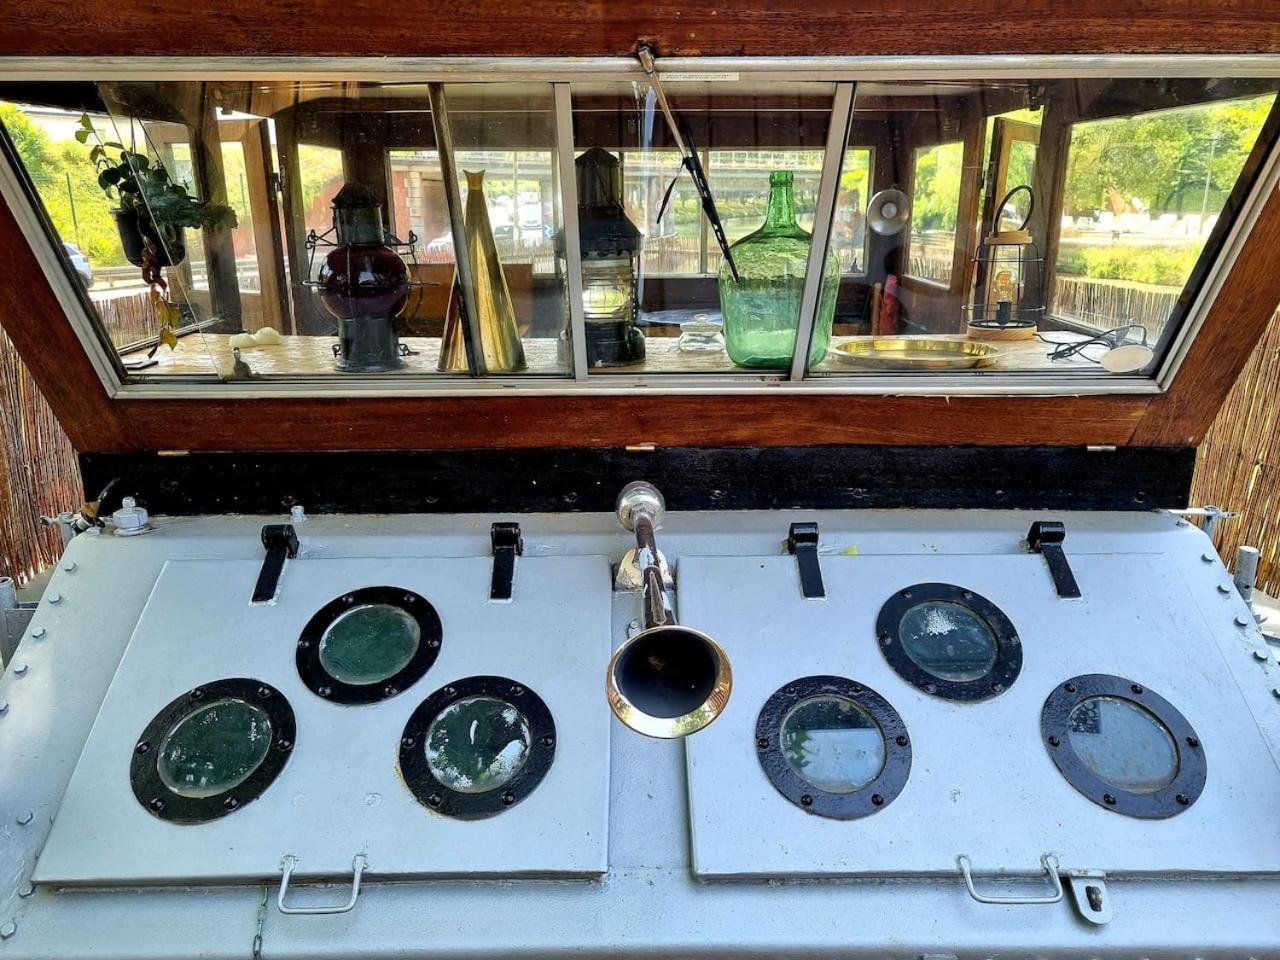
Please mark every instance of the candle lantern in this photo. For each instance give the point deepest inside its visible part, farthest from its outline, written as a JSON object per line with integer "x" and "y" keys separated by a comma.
{"x": 610, "y": 262}
{"x": 363, "y": 282}
{"x": 1008, "y": 291}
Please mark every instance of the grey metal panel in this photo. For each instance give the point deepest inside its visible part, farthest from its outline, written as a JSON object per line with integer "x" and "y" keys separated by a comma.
{"x": 649, "y": 905}
{"x": 981, "y": 783}
{"x": 340, "y": 793}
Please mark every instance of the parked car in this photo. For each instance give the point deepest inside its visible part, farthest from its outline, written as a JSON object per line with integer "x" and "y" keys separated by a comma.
{"x": 80, "y": 263}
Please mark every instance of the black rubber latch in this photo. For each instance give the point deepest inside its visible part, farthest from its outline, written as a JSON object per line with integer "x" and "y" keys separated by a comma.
{"x": 1045, "y": 537}
{"x": 281, "y": 541}
{"x": 802, "y": 542}
{"x": 507, "y": 545}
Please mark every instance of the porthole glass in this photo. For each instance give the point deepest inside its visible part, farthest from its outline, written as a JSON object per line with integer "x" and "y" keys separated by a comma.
{"x": 1123, "y": 743}
{"x": 477, "y": 744}
{"x": 833, "y": 743}
{"x": 833, "y": 747}
{"x": 214, "y": 748}
{"x": 370, "y": 643}
{"x": 949, "y": 642}
{"x": 1123, "y": 746}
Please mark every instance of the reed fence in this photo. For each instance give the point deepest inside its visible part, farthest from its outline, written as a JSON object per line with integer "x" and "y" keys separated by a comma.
{"x": 39, "y": 474}
{"x": 1238, "y": 464}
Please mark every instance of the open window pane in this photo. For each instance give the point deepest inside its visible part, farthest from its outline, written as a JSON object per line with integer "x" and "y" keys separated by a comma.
{"x": 1054, "y": 226}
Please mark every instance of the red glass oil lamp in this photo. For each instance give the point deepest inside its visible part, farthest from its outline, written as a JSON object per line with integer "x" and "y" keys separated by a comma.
{"x": 363, "y": 283}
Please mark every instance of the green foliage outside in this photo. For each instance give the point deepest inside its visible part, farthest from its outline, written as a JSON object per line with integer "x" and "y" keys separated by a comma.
{"x": 66, "y": 180}
{"x": 1161, "y": 265}
{"x": 937, "y": 187}
{"x": 1171, "y": 161}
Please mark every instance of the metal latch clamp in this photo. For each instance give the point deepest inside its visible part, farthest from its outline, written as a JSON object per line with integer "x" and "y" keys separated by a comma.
{"x": 802, "y": 543}
{"x": 507, "y": 545}
{"x": 1045, "y": 537}
{"x": 281, "y": 541}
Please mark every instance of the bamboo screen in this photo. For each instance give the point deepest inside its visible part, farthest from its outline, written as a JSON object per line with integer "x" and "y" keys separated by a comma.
{"x": 38, "y": 471}
{"x": 1238, "y": 467}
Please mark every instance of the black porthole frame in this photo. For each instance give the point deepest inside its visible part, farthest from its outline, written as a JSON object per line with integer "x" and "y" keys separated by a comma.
{"x": 872, "y": 798}
{"x": 427, "y": 788}
{"x": 1001, "y": 676}
{"x": 325, "y": 685}
{"x": 1166, "y": 802}
{"x": 144, "y": 774}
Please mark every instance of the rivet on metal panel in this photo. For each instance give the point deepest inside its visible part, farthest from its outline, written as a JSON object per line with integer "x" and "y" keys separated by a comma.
{"x": 1261, "y": 656}
{"x": 69, "y": 566}
{"x": 38, "y": 633}
{"x": 1207, "y": 557}
{"x": 54, "y": 597}
{"x": 1224, "y": 589}
{"x": 4, "y": 707}
{"x": 7, "y": 930}
{"x": 25, "y": 818}
{"x": 1241, "y": 621}
{"x": 1275, "y": 692}
{"x": 20, "y": 670}
{"x": 26, "y": 890}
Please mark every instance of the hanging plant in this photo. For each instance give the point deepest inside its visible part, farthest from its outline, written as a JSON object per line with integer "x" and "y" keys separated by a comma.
{"x": 152, "y": 215}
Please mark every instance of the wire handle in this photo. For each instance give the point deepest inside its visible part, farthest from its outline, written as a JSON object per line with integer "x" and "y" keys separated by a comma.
{"x": 1047, "y": 860}
{"x": 358, "y": 867}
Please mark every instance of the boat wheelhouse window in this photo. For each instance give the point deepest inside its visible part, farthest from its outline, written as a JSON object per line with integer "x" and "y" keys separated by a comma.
{"x": 309, "y": 230}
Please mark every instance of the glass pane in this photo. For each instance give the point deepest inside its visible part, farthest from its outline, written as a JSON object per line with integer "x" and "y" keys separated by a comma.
{"x": 1123, "y": 743}
{"x": 370, "y": 643}
{"x": 948, "y": 640}
{"x": 1125, "y": 190}
{"x": 833, "y": 743}
{"x": 673, "y": 308}
{"x": 1142, "y": 196}
{"x": 504, "y": 140}
{"x": 477, "y": 744}
{"x": 214, "y": 748}
{"x": 935, "y": 200}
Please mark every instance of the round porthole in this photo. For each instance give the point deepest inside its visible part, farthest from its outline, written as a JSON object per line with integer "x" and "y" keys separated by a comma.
{"x": 477, "y": 746}
{"x": 368, "y": 645}
{"x": 1123, "y": 747}
{"x": 949, "y": 642}
{"x": 833, "y": 747}
{"x": 212, "y": 750}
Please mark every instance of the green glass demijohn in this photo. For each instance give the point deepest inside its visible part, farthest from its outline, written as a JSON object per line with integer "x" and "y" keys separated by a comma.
{"x": 762, "y": 309}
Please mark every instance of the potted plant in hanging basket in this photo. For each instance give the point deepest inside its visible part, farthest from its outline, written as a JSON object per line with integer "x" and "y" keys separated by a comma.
{"x": 153, "y": 210}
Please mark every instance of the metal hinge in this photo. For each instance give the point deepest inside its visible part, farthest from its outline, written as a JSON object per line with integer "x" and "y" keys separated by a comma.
{"x": 507, "y": 545}
{"x": 281, "y": 541}
{"x": 802, "y": 543}
{"x": 1045, "y": 537}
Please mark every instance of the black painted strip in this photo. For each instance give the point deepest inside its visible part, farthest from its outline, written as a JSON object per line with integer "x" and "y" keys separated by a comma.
{"x": 706, "y": 478}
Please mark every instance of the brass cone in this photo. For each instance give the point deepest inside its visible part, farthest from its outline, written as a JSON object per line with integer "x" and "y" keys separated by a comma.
{"x": 495, "y": 317}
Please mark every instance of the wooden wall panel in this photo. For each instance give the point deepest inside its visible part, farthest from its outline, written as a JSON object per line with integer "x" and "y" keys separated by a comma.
{"x": 676, "y": 27}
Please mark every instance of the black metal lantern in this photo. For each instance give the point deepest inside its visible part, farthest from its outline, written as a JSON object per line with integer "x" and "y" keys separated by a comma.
{"x": 610, "y": 262}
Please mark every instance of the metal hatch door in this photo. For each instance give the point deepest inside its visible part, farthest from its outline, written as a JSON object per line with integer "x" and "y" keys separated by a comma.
{"x": 340, "y": 793}
{"x": 981, "y": 780}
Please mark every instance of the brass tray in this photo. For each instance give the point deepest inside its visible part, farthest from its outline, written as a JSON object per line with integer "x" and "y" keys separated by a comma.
{"x": 916, "y": 353}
